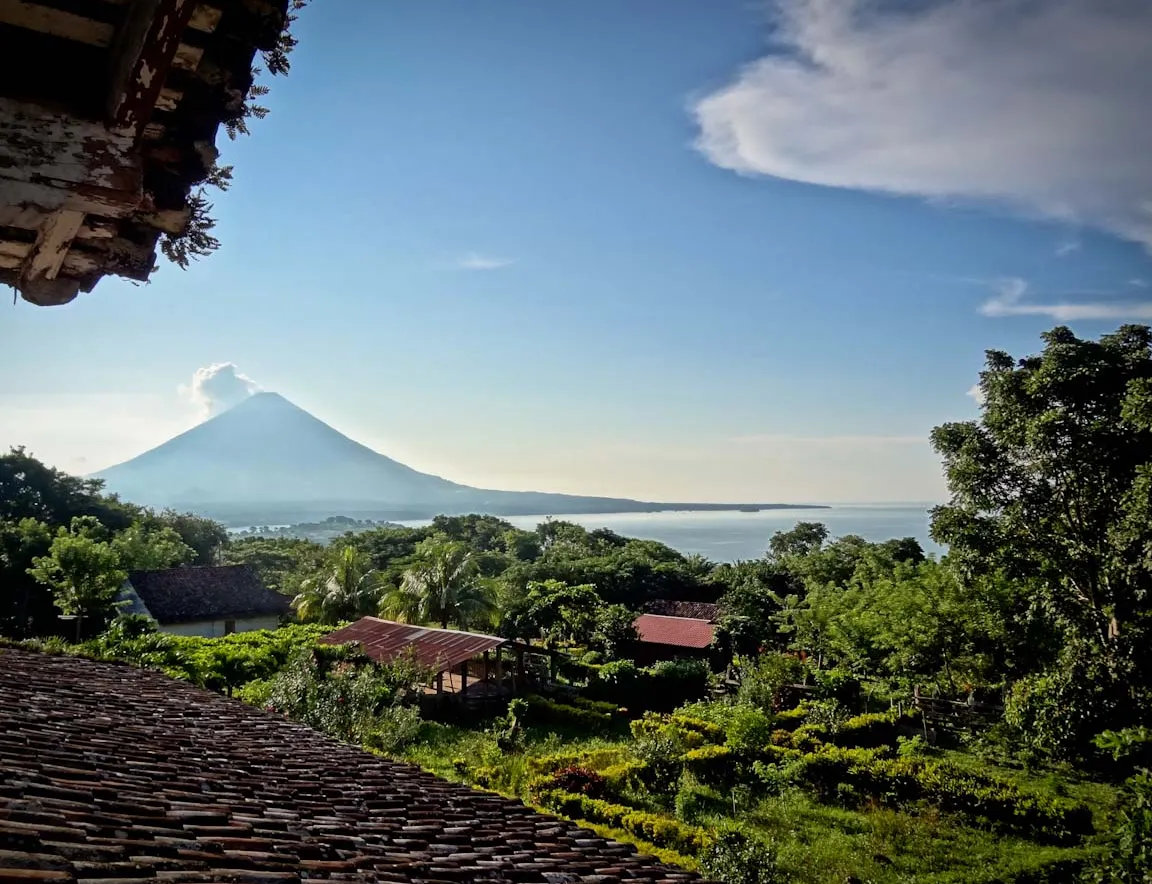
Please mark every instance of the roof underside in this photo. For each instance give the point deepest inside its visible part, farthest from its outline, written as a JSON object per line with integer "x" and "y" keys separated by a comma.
{"x": 109, "y": 111}
{"x": 111, "y": 772}
{"x": 681, "y": 632}
{"x": 437, "y": 649}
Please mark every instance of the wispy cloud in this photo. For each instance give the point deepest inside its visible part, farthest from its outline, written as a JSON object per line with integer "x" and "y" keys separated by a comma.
{"x": 1137, "y": 282}
{"x": 976, "y": 394}
{"x": 1040, "y": 108}
{"x": 1067, "y": 247}
{"x": 1009, "y": 301}
{"x": 477, "y": 261}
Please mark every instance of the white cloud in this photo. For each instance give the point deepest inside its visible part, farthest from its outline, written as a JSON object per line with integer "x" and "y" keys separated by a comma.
{"x": 1009, "y": 301}
{"x": 1067, "y": 247}
{"x": 217, "y": 387}
{"x": 1139, "y": 283}
{"x": 1039, "y": 107}
{"x": 976, "y": 393}
{"x": 477, "y": 261}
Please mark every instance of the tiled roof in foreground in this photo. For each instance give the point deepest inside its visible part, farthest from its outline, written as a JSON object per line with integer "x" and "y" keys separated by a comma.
{"x": 117, "y": 775}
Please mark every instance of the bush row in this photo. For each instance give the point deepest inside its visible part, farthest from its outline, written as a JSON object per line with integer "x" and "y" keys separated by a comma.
{"x": 834, "y": 772}
{"x": 662, "y": 687}
{"x": 542, "y": 710}
{"x": 659, "y": 830}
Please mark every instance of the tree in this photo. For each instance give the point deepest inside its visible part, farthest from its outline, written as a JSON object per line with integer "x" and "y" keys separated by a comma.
{"x": 206, "y": 536}
{"x": 25, "y": 604}
{"x": 562, "y": 613}
{"x": 1053, "y": 485}
{"x": 804, "y": 538}
{"x": 29, "y": 489}
{"x": 84, "y": 574}
{"x": 1055, "y": 480}
{"x": 151, "y": 547}
{"x": 347, "y": 588}
{"x": 443, "y": 586}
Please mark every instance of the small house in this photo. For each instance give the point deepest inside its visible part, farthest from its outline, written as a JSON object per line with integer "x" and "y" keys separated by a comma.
{"x": 672, "y": 630}
{"x": 208, "y": 602}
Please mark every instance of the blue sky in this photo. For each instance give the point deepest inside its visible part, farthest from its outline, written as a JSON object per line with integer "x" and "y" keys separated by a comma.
{"x": 660, "y": 249}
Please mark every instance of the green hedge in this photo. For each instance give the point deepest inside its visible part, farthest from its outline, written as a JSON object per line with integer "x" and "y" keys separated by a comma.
{"x": 874, "y": 729}
{"x": 541, "y": 710}
{"x": 659, "y": 830}
{"x": 790, "y": 719}
{"x": 836, "y": 772}
{"x": 660, "y": 688}
{"x": 714, "y": 765}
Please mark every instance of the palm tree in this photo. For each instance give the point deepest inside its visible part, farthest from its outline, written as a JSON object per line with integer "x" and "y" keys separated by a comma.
{"x": 444, "y": 586}
{"x": 348, "y": 588}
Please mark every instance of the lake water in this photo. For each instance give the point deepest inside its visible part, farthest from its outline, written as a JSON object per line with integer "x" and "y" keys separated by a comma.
{"x": 730, "y": 536}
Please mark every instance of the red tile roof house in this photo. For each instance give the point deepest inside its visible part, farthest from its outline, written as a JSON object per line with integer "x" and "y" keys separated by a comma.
{"x": 208, "y": 602}
{"x": 674, "y": 630}
{"x": 111, "y": 773}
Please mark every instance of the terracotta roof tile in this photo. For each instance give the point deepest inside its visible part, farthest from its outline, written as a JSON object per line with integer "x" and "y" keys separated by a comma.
{"x": 694, "y": 610}
{"x": 680, "y": 632}
{"x": 182, "y": 786}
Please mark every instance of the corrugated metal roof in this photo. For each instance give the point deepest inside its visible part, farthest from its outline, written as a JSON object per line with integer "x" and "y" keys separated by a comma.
{"x": 683, "y": 632}
{"x": 438, "y": 649}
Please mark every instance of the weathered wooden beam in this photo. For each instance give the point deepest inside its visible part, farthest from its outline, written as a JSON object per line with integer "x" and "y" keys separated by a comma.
{"x": 205, "y": 18}
{"x": 187, "y": 57}
{"x": 168, "y": 99}
{"x": 55, "y": 22}
{"x": 141, "y": 54}
{"x": 47, "y": 254}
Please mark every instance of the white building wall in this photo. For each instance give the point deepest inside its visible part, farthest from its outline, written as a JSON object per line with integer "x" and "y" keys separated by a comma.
{"x": 215, "y": 628}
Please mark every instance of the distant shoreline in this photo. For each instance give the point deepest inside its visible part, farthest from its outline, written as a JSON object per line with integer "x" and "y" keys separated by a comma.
{"x": 245, "y": 515}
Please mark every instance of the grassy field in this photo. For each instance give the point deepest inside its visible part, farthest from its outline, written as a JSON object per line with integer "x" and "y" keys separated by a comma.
{"x": 817, "y": 841}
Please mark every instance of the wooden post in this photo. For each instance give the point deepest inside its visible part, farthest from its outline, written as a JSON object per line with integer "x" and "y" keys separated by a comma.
{"x": 553, "y": 660}
{"x": 500, "y": 670}
{"x": 464, "y": 678}
{"x": 440, "y": 682}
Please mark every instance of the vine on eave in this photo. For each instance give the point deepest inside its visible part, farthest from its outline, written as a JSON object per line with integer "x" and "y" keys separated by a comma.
{"x": 197, "y": 241}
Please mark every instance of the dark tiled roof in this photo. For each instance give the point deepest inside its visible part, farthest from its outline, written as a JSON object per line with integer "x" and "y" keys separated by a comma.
{"x": 681, "y": 632}
{"x": 695, "y": 610}
{"x": 437, "y": 649}
{"x": 183, "y": 595}
{"x": 111, "y": 772}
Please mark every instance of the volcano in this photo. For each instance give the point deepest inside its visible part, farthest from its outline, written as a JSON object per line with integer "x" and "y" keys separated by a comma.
{"x": 267, "y": 461}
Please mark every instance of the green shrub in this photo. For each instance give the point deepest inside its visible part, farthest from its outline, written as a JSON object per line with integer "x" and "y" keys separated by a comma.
{"x": 836, "y": 685}
{"x": 763, "y": 678}
{"x": 749, "y": 729}
{"x": 809, "y": 737}
{"x": 714, "y": 765}
{"x": 695, "y": 801}
{"x": 736, "y": 856}
{"x": 790, "y": 719}
{"x": 661, "y": 688}
{"x": 541, "y": 710}
{"x": 659, "y": 830}
{"x": 874, "y": 729}
{"x": 865, "y": 774}
{"x": 578, "y": 780}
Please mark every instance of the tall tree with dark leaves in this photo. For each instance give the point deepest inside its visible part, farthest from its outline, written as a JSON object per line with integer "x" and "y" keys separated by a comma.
{"x": 1053, "y": 485}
